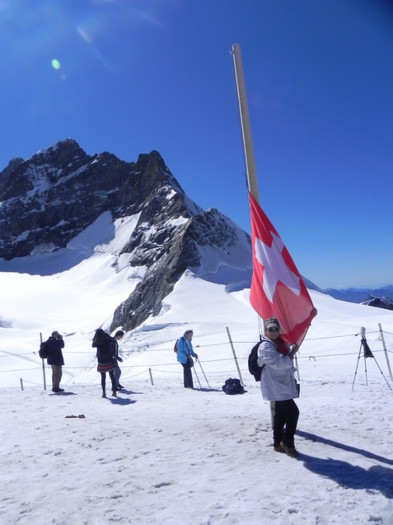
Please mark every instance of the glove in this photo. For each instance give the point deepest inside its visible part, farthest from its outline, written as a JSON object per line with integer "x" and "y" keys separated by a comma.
{"x": 196, "y": 356}
{"x": 119, "y": 359}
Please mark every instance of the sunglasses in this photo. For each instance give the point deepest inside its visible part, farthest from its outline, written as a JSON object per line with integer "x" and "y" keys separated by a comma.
{"x": 273, "y": 330}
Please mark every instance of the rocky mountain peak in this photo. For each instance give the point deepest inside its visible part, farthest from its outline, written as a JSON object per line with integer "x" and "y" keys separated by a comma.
{"x": 51, "y": 198}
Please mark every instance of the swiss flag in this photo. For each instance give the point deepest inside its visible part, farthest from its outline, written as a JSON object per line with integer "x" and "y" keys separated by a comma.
{"x": 277, "y": 289}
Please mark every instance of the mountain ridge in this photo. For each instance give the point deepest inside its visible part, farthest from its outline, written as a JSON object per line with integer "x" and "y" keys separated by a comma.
{"x": 361, "y": 294}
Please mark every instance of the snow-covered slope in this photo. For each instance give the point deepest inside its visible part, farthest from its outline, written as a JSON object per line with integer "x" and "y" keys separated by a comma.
{"x": 163, "y": 455}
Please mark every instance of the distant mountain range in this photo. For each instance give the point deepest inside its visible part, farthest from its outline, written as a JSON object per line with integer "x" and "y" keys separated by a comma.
{"x": 380, "y": 297}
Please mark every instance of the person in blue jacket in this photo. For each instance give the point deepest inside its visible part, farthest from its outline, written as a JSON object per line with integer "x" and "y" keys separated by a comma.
{"x": 185, "y": 353}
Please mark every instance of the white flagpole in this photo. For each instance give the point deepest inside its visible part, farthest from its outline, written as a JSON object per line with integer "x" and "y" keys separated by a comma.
{"x": 252, "y": 181}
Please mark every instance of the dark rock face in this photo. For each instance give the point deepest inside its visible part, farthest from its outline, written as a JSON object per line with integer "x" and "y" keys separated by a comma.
{"x": 52, "y": 197}
{"x": 379, "y": 302}
{"x": 168, "y": 261}
{"x": 46, "y": 201}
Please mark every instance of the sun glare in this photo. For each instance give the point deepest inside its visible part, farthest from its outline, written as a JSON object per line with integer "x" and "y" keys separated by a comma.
{"x": 55, "y": 64}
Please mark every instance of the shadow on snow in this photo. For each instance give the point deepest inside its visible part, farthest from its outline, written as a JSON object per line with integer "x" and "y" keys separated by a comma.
{"x": 377, "y": 477}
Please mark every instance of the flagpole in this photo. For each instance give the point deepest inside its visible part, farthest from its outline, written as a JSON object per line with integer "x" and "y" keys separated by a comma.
{"x": 252, "y": 181}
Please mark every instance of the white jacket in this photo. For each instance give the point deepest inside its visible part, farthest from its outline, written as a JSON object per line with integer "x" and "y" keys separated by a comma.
{"x": 278, "y": 375}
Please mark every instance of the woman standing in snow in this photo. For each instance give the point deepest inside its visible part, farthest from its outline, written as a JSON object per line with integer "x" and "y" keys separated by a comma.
{"x": 185, "y": 352}
{"x": 278, "y": 384}
{"x": 106, "y": 359}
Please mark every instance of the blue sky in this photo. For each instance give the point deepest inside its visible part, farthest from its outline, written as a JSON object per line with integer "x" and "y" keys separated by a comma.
{"x": 130, "y": 76}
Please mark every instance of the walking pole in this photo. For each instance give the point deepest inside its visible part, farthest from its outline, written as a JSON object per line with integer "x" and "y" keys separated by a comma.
{"x": 196, "y": 375}
{"x": 203, "y": 372}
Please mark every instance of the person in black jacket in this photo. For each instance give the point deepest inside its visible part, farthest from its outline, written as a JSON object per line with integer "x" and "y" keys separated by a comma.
{"x": 106, "y": 359}
{"x": 55, "y": 358}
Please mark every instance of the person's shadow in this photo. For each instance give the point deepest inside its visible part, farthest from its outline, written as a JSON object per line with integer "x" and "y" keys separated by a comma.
{"x": 347, "y": 475}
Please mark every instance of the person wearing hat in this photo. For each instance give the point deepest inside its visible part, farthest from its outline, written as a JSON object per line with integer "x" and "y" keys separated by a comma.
{"x": 185, "y": 353}
{"x": 278, "y": 384}
{"x": 55, "y": 358}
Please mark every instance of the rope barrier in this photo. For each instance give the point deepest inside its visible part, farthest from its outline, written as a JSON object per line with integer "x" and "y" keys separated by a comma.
{"x": 151, "y": 348}
{"x": 174, "y": 363}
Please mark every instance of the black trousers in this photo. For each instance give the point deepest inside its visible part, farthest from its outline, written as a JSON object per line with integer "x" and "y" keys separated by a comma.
{"x": 286, "y": 414}
{"x": 187, "y": 374}
{"x": 113, "y": 381}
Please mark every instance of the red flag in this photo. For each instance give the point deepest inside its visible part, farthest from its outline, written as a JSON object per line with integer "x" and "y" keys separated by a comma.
{"x": 277, "y": 289}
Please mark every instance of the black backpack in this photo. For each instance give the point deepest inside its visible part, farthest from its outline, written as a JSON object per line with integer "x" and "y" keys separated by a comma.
{"x": 44, "y": 350}
{"x": 253, "y": 367}
{"x": 233, "y": 386}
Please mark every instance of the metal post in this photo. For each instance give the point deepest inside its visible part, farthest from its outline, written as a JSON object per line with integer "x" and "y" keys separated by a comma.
{"x": 297, "y": 367}
{"x": 386, "y": 352}
{"x": 43, "y": 365}
{"x": 234, "y": 355}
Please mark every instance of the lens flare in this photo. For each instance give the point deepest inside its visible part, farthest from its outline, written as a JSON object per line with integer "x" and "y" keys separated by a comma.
{"x": 56, "y": 64}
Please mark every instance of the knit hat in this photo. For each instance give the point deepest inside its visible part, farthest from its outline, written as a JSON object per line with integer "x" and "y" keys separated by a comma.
{"x": 272, "y": 322}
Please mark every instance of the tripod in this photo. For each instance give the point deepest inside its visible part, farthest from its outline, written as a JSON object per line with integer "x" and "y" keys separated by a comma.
{"x": 366, "y": 353}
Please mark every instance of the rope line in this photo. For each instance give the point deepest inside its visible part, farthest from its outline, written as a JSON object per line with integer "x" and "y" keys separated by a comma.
{"x": 174, "y": 363}
{"x": 129, "y": 354}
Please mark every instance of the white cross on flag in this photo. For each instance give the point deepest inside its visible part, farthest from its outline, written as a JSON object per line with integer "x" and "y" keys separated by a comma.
{"x": 277, "y": 289}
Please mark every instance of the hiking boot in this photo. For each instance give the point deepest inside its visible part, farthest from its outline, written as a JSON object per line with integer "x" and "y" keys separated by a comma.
{"x": 114, "y": 393}
{"x": 290, "y": 451}
{"x": 279, "y": 448}
{"x": 120, "y": 386}
{"x": 104, "y": 395}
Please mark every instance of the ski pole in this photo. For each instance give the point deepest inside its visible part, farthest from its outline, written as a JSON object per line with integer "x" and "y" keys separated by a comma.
{"x": 196, "y": 375}
{"x": 203, "y": 372}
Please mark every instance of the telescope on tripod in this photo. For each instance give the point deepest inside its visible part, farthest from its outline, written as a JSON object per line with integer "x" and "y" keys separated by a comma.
{"x": 366, "y": 354}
